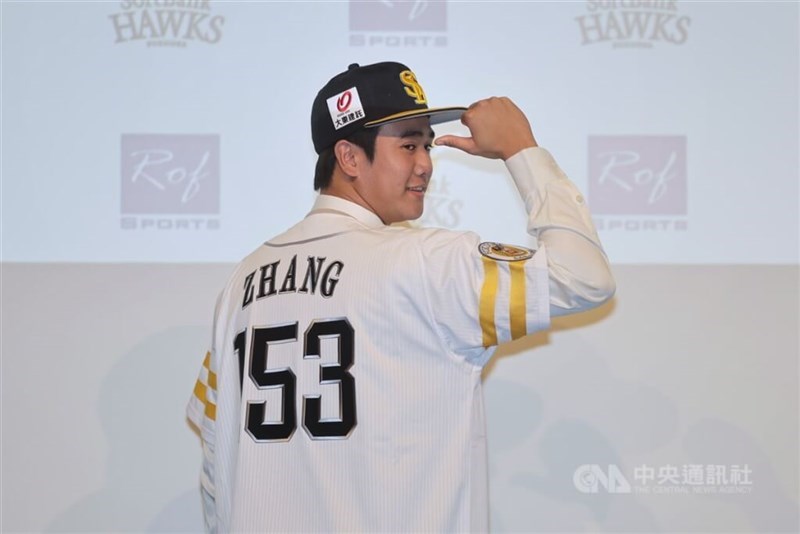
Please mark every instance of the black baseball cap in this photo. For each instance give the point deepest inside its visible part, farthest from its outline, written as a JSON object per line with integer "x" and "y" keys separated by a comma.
{"x": 368, "y": 96}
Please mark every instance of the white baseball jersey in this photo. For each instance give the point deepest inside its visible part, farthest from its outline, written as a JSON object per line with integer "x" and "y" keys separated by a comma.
{"x": 342, "y": 391}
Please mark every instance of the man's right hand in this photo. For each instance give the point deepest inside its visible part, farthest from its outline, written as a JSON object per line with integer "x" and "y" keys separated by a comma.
{"x": 499, "y": 130}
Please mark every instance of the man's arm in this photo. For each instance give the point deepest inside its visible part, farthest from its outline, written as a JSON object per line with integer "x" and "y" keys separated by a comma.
{"x": 579, "y": 274}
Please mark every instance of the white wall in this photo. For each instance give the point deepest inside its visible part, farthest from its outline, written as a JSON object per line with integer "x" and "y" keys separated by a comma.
{"x": 689, "y": 365}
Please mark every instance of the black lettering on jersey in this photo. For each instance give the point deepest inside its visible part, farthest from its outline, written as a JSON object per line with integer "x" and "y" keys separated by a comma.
{"x": 238, "y": 347}
{"x": 248, "y": 290}
{"x": 317, "y": 275}
{"x": 288, "y": 282}
{"x": 329, "y": 282}
{"x": 267, "y": 280}
{"x": 312, "y": 274}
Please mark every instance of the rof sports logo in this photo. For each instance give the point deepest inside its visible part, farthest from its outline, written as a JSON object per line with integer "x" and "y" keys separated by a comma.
{"x": 169, "y": 182}
{"x": 638, "y": 182}
{"x": 398, "y": 23}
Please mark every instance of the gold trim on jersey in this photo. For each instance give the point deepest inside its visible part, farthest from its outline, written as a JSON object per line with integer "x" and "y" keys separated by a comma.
{"x": 516, "y": 306}
{"x": 212, "y": 380}
{"x": 487, "y": 302}
{"x": 211, "y": 411}
{"x": 201, "y": 389}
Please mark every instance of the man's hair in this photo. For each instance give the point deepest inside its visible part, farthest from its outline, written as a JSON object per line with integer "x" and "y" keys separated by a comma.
{"x": 364, "y": 138}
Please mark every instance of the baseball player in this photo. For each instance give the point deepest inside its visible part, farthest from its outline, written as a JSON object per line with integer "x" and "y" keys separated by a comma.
{"x": 342, "y": 388}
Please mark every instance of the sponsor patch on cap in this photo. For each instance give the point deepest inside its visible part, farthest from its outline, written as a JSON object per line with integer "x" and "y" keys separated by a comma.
{"x": 345, "y": 108}
{"x": 503, "y": 252}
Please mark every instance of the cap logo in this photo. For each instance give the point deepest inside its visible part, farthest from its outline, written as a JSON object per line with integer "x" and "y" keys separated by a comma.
{"x": 344, "y": 101}
{"x": 345, "y": 108}
{"x": 412, "y": 87}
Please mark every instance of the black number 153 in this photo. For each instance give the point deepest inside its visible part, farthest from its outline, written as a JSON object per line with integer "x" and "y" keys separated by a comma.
{"x": 261, "y": 339}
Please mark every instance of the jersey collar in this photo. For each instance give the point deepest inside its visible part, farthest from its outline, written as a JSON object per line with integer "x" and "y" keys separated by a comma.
{"x": 361, "y": 214}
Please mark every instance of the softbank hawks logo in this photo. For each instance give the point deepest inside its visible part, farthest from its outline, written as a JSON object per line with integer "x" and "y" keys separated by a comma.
{"x": 398, "y": 23}
{"x": 638, "y": 176}
{"x": 169, "y": 182}
{"x": 633, "y": 23}
{"x": 167, "y": 22}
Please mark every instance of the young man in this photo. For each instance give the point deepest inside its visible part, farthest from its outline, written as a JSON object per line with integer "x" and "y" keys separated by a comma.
{"x": 342, "y": 391}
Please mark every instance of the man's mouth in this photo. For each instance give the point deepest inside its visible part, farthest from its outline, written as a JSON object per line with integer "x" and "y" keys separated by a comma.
{"x": 417, "y": 188}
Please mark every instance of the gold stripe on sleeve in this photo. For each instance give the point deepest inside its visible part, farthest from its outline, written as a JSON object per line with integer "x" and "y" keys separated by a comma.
{"x": 200, "y": 391}
{"x": 516, "y": 309}
{"x": 211, "y": 410}
{"x": 212, "y": 376}
{"x": 487, "y": 302}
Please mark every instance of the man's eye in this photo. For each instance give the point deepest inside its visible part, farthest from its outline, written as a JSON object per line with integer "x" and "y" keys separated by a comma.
{"x": 410, "y": 147}
{"x": 428, "y": 147}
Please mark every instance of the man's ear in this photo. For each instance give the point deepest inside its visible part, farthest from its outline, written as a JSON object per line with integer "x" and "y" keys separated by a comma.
{"x": 347, "y": 157}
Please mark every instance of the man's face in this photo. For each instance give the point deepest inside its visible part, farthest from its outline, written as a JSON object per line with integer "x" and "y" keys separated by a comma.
{"x": 393, "y": 185}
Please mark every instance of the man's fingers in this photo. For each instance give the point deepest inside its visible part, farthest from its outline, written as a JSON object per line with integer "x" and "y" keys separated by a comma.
{"x": 467, "y": 144}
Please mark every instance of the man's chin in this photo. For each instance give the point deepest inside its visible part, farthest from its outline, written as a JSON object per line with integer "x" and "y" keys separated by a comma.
{"x": 411, "y": 214}
{"x": 416, "y": 215}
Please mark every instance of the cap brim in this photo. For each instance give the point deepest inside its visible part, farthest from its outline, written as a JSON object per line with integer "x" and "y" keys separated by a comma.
{"x": 437, "y": 116}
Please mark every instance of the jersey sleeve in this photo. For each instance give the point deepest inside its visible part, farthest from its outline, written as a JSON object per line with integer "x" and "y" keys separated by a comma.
{"x": 480, "y": 300}
{"x": 202, "y": 406}
{"x": 558, "y": 217}
{"x": 201, "y": 410}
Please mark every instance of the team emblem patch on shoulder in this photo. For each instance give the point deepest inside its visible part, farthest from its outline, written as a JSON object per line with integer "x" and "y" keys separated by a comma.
{"x": 503, "y": 252}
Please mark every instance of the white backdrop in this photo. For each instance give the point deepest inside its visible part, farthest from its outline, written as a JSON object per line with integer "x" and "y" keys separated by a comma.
{"x": 147, "y": 145}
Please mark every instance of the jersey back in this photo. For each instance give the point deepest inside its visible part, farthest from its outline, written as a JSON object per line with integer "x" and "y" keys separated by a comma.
{"x": 346, "y": 363}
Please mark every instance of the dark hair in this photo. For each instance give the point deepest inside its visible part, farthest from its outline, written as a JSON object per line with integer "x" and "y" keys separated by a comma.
{"x": 364, "y": 138}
